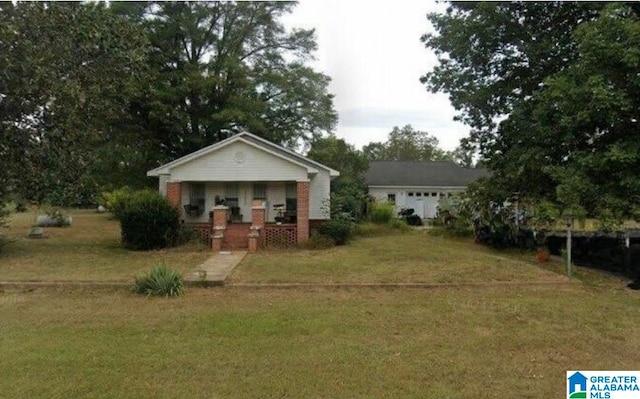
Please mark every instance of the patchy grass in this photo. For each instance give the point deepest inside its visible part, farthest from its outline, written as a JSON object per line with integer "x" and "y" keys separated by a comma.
{"x": 439, "y": 343}
{"x": 88, "y": 250}
{"x": 410, "y": 257}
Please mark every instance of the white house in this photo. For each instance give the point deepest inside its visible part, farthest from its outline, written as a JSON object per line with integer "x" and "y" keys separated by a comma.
{"x": 240, "y": 174}
{"x": 418, "y": 185}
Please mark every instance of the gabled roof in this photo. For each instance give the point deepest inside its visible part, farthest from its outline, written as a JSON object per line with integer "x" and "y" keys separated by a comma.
{"x": 421, "y": 174}
{"x": 251, "y": 140}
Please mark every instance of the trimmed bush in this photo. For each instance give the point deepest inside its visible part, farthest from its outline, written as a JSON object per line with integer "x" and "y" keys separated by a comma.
{"x": 382, "y": 212}
{"x": 116, "y": 200}
{"x": 148, "y": 221}
{"x": 160, "y": 281}
{"x": 339, "y": 229}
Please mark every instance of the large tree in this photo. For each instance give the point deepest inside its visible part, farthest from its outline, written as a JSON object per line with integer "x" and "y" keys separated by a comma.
{"x": 339, "y": 155}
{"x": 67, "y": 71}
{"x": 92, "y": 95}
{"x": 348, "y": 192}
{"x": 551, "y": 93}
{"x": 223, "y": 67}
{"x": 406, "y": 144}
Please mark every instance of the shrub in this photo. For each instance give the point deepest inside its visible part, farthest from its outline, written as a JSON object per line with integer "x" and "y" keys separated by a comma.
{"x": 339, "y": 229}
{"x": 455, "y": 215}
{"x": 185, "y": 235}
{"x": 160, "y": 281}
{"x": 319, "y": 241}
{"x": 116, "y": 200}
{"x": 382, "y": 212}
{"x": 148, "y": 221}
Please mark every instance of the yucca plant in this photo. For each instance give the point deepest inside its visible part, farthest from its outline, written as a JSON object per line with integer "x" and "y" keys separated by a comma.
{"x": 160, "y": 281}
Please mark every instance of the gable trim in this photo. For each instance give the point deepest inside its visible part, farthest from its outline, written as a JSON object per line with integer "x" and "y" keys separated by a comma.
{"x": 166, "y": 168}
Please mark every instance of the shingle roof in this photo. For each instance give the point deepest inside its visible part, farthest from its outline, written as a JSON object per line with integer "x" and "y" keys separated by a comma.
{"x": 418, "y": 173}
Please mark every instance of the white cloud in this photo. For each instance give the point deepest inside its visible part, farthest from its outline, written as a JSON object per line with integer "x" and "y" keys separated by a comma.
{"x": 372, "y": 52}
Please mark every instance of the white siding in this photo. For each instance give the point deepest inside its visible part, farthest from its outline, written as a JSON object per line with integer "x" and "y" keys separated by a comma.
{"x": 275, "y": 195}
{"x": 239, "y": 162}
{"x": 162, "y": 184}
{"x": 404, "y": 201}
{"x": 319, "y": 188}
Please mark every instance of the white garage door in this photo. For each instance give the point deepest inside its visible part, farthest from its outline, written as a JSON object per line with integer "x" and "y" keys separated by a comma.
{"x": 416, "y": 202}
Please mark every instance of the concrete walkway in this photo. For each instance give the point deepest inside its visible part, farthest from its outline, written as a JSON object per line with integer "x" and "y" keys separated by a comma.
{"x": 215, "y": 270}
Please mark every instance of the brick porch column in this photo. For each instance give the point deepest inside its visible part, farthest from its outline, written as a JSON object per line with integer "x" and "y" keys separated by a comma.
{"x": 174, "y": 193}
{"x": 302, "y": 213}
{"x": 258, "y": 216}
{"x": 219, "y": 226}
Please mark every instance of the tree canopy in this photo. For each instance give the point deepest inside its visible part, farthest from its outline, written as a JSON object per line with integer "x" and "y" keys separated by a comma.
{"x": 224, "y": 67}
{"x": 406, "y": 144}
{"x": 551, "y": 92}
{"x": 93, "y": 95}
{"x": 68, "y": 71}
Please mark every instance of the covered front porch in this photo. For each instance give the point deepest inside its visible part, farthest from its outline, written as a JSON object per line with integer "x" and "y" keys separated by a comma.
{"x": 244, "y": 215}
{"x": 279, "y": 199}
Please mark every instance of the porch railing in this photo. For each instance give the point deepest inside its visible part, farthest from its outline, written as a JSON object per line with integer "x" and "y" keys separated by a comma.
{"x": 280, "y": 235}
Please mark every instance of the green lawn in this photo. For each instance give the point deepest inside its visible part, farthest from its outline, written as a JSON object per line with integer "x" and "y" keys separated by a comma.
{"x": 88, "y": 250}
{"x": 457, "y": 342}
{"x": 410, "y": 257}
{"x": 483, "y": 342}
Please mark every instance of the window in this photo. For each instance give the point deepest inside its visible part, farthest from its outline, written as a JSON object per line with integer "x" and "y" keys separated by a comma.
{"x": 410, "y": 194}
{"x": 195, "y": 207}
{"x": 291, "y": 190}
{"x": 231, "y": 195}
{"x": 434, "y": 194}
{"x": 196, "y": 194}
{"x": 260, "y": 191}
{"x": 418, "y": 194}
{"x": 291, "y": 202}
{"x": 391, "y": 198}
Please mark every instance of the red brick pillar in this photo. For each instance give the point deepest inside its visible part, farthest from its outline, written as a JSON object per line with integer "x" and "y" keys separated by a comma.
{"x": 302, "y": 212}
{"x": 174, "y": 193}
{"x": 216, "y": 242}
{"x": 258, "y": 216}
{"x": 254, "y": 236}
{"x": 219, "y": 226}
{"x": 220, "y": 216}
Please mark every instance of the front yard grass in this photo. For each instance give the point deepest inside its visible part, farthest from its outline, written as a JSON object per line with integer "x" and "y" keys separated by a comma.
{"x": 410, "y": 257}
{"x": 487, "y": 342}
{"x": 88, "y": 250}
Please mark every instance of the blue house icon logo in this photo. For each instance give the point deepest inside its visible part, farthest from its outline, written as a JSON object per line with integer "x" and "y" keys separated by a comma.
{"x": 577, "y": 386}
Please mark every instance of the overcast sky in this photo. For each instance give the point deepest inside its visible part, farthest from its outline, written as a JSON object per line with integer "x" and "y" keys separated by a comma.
{"x": 373, "y": 54}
